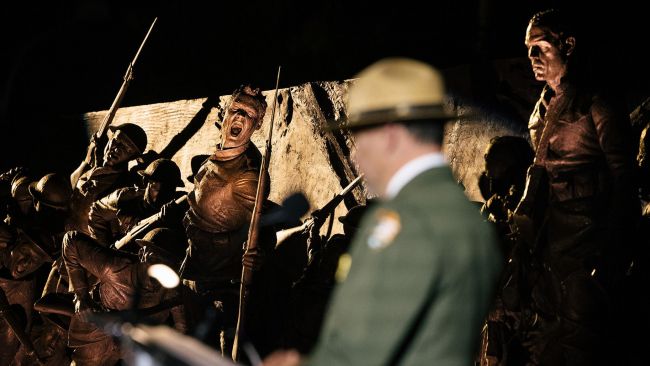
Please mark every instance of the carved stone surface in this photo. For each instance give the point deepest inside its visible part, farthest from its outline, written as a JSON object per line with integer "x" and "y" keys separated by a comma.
{"x": 466, "y": 141}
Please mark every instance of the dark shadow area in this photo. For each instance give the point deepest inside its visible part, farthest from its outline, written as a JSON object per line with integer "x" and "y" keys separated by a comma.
{"x": 64, "y": 59}
{"x": 339, "y": 168}
{"x": 181, "y": 138}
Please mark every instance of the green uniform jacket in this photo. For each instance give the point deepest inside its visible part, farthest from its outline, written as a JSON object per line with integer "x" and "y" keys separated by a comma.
{"x": 434, "y": 263}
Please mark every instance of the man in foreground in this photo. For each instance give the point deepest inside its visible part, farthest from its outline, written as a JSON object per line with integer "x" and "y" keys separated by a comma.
{"x": 423, "y": 265}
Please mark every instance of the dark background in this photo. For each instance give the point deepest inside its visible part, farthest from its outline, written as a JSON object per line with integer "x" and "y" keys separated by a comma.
{"x": 65, "y": 58}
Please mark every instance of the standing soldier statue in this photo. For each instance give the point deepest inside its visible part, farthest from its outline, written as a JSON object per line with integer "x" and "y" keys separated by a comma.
{"x": 220, "y": 210}
{"x": 580, "y": 196}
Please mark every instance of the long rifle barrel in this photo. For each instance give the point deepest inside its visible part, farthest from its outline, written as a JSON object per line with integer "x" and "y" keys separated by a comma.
{"x": 143, "y": 225}
{"x": 128, "y": 76}
{"x": 322, "y": 212}
{"x": 254, "y": 228}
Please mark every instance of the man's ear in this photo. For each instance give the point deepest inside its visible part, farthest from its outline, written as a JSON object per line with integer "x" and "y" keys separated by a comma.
{"x": 569, "y": 45}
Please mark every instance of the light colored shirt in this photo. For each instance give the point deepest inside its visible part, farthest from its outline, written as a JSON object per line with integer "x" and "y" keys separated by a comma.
{"x": 411, "y": 170}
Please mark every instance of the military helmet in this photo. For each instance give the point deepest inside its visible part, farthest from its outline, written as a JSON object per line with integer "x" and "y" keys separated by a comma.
{"x": 20, "y": 188}
{"x": 134, "y": 132}
{"x": 169, "y": 242}
{"x": 52, "y": 190}
{"x": 164, "y": 171}
{"x": 396, "y": 90}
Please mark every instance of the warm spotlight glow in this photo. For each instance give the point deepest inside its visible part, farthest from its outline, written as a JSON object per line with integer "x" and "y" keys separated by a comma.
{"x": 165, "y": 275}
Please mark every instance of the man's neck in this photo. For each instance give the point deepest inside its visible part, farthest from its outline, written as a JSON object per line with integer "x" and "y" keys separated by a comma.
{"x": 411, "y": 166}
{"x": 229, "y": 153}
{"x": 557, "y": 83}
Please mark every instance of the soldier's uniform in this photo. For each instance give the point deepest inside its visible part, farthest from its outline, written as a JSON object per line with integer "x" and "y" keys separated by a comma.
{"x": 93, "y": 185}
{"x": 589, "y": 219}
{"x": 221, "y": 207}
{"x": 584, "y": 232}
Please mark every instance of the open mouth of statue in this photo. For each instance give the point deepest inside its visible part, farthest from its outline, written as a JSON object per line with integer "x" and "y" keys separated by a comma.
{"x": 236, "y": 129}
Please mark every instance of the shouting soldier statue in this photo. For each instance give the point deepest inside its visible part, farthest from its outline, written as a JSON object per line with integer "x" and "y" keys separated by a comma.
{"x": 220, "y": 209}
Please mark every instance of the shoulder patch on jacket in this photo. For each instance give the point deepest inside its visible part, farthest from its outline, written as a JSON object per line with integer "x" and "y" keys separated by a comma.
{"x": 387, "y": 227}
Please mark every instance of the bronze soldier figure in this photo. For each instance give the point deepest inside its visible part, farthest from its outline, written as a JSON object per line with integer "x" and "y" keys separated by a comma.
{"x": 312, "y": 291}
{"x": 49, "y": 340}
{"x": 24, "y": 255}
{"x": 583, "y": 152}
{"x": 220, "y": 209}
{"x": 114, "y": 215}
{"x": 121, "y": 279}
{"x": 502, "y": 184}
{"x": 503, "y": 180}
{"x": 51, "y": 195}
{"x": 21, "y": 257}
{"x": 93, "y": 179}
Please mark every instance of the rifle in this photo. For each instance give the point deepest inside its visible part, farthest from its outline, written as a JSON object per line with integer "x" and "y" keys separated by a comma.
{"x": 62, "y": 304}
{"x": 254, "y": 228}
{"x": 128, "y": 76}
{"x": 321, "y": 214}
{"x": 143, "y": 225}
{"x": 14, "y": 324}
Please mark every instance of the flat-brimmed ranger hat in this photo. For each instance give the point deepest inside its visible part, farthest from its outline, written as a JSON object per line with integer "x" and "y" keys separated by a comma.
{"x": 396, "y": 90}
